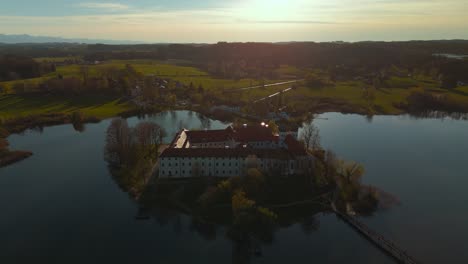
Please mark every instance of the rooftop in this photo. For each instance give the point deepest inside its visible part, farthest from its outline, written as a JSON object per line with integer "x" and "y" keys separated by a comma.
{"x": 294, "y": 146}
{"x": 209, "y": 136}
{"x": 254, "y": 133}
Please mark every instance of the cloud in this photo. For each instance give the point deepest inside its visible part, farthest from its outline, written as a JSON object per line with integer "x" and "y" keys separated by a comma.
{"x": 284, "y": 22}
{"x": 101, "y": 6}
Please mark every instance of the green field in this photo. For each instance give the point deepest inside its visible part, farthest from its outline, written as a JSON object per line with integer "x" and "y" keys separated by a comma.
{"x": 12, "y": 106}
{"x": 349, "y": 92}
{"x": 184, "y": 74}
{"x": 55, "y": 59}
{"x": 99, "y": 106}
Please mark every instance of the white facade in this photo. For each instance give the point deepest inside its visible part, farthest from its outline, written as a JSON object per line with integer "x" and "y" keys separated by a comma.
{"x": 183, "y": 167}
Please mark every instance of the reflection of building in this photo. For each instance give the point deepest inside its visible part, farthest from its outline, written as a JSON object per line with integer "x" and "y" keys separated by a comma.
{"x": 230, "y": 152}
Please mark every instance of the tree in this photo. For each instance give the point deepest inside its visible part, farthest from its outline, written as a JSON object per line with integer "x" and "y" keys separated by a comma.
{"x": 241, "y": 203}
{"x": 84, "y": 71}
{"x": 149, "y": 92}
{"x": 172, "y": 99}
{"x": 200, "y": 89}
{"x": 331, "y": 164}
{"x": 314, "y": 82}
{"x": 18, "y": 88}
{"x": 448, "y": 81}
{"x": 349, "y": 176}
{"x": 118, "y": 141}
{"x": 253, "y": 182}
{"x": 273, "y": 126}
{"x": 310, "y": 136}
{"x": 77, "y": 119}
{"x": 148, "y": 137}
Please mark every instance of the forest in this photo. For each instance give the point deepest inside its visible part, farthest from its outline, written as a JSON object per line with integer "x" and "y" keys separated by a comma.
{"x": 237, "y": 60}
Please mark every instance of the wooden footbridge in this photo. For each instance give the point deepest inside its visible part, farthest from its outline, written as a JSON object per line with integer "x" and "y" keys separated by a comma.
{"x": 380, "y": 241}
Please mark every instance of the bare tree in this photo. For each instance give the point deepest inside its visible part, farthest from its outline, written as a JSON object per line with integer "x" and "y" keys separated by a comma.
{"x": 148, "y": 134}
{"x": 310, "y": 135}
{"x": 118, "y": 141}
{"x": 84, "y": 71}
{"x": 331, "y": 164}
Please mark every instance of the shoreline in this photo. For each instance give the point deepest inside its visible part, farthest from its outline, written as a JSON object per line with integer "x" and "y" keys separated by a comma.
{"x": 12, "y": 157}
{"x": 18, "y": 126}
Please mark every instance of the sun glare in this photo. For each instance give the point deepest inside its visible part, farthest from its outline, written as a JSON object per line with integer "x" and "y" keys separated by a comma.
{"x": 269, "y": 9}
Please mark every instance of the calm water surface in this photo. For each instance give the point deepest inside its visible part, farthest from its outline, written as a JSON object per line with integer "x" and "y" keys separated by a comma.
{"x": 62, "y": 205}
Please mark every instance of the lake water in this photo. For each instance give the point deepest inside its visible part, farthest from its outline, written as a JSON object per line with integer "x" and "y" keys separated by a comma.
{"x": 62, "y": 205}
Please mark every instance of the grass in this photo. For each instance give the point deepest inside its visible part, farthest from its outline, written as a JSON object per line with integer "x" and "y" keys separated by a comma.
{"x": 351, "y": 92}
{"x": 102, "y": 106}
{"x": 183, "y": 74}
{"x": 399, "y": 88}
{"x": 13, "y": 106}
{"x": 55, "y": 59}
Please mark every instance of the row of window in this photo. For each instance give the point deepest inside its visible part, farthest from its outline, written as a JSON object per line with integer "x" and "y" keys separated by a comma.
{"x": 184, "y": 158}
{"x": 202, "y": 164}
{"x": 203, "y": 172}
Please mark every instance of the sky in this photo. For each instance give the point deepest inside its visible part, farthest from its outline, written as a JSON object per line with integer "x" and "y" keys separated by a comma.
{"x": 209, "y": 21}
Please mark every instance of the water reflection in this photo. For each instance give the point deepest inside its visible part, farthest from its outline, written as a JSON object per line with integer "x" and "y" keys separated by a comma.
{"x": 247, "y": 210}
{"x": 429, "y": 180}
{"x": 248, "y": 228}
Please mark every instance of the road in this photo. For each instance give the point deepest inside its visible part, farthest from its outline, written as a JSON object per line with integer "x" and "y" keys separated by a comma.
{"x": 266, "y": 85}
{"x": 273, "y": 95}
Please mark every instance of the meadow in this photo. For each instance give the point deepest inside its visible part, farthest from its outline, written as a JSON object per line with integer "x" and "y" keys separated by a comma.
{"x": 183, "y": 74}
{"x": 348, "y": 93}
{"x": 13, "y": 106}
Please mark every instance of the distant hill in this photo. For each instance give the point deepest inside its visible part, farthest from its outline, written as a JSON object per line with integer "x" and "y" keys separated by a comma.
{"x": 15, "y": 39}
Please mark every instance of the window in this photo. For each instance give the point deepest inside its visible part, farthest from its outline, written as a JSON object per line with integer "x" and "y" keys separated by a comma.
{"x": 162, "y": 172}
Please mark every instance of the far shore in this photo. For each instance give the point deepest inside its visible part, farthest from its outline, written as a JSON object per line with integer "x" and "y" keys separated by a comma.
{"x": 19, "y": 125}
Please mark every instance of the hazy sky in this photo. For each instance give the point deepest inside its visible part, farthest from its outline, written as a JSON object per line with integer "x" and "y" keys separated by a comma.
{"x": 237, "y": 20}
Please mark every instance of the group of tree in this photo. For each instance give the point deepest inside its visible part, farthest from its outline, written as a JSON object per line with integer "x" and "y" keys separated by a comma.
{"x": 15, "y": 67}
{"x": 110, "y": 80}
{"x": 132, "y": 152}
{"x": 453, "y": 71}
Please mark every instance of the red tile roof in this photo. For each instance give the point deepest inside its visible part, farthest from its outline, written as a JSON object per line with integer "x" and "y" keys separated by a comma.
{"x": 294, "y": 146}
{"x": 208, "y": 136}
{"x": 239, "y": 134}
{"x": 254, "y": 133}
